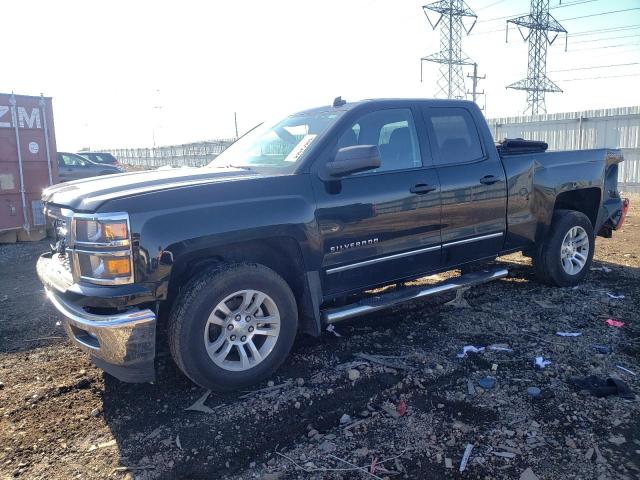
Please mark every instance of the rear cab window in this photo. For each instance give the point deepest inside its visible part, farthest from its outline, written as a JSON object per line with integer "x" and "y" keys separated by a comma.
{"x": 455, "y": 136}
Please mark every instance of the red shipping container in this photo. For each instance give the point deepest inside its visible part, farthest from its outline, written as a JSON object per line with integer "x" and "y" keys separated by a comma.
{"x": 28, "y": 164}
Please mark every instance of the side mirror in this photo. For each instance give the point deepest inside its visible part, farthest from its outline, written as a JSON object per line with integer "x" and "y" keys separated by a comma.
{"x": 358, "y": 158}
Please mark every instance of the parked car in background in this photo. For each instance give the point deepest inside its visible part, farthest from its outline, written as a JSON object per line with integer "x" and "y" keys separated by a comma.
{"x": 75, "y": 167}
{"x": 103, "y": 158}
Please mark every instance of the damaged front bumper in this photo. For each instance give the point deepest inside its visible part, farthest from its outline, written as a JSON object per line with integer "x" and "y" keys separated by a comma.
{"x": 122, "y": 344}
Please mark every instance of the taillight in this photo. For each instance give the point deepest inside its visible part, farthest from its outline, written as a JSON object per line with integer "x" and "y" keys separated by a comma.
{"x": 623, "y": 216}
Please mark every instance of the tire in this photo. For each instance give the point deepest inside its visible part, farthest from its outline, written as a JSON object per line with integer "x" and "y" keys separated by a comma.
{"x": 198, "y": 323}
{"x": 548, "y": 262}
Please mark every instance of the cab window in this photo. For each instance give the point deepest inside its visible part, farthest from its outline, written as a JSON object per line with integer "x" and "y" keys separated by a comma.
{"x": 394, "y": 133}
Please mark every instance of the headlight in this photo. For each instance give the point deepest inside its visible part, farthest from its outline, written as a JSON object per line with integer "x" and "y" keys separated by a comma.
{"x": 104, "y": 268}
{"x": 102, "y": 248}
{"x": 107, "y": 231}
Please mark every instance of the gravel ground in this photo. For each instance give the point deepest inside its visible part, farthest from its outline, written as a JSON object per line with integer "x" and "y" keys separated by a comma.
{"x": 408, "y": 412}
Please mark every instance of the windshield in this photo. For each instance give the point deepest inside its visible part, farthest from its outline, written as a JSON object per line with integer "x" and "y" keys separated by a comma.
{"x": 278, "y": 145}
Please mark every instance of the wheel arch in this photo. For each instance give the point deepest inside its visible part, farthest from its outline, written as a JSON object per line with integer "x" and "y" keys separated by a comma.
{"x": 282, "y": 254}
{"x": 584, "y": 200}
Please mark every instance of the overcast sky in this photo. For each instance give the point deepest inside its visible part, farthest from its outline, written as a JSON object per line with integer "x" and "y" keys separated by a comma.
{"x": 122, "y": 72}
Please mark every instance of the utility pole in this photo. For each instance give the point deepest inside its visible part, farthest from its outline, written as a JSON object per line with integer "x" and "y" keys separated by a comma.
{"x": 539, "y": 24}
{"x": 450, "y": 57}
{"x": 475, "y": 79}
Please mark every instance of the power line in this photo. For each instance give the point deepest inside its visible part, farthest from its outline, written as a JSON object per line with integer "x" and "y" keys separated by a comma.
{"x": 606, "y": 38}
{"x": 490, "y": 5}
{"x": 606, "y": 46}
{"x": 562, "y": 5}
{"x": 602, "y": 30}
{"x": 601, "y": 77}
{"x": 563, "y": 19}
{"x": 577, "y": 34}
{"x": 596, "y": 66}
{"x": 599, "y": 14}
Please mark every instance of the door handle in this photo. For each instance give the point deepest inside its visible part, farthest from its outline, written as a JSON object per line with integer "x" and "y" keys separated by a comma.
{"x": 422, "y": 188}
{"x": 489, "y": 179}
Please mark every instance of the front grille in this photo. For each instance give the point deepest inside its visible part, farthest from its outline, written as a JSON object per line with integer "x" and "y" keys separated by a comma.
{"x": 65, "y": 262}
{"x": 61, "y": 223}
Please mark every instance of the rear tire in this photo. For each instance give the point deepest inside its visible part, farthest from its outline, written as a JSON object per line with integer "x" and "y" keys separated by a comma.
{"x": 564, "y": 258}
{"x": 232, "y": 326}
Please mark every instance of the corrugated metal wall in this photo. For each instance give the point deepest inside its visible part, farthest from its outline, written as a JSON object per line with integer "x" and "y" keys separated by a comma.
{"x": 189, "y": 154}
{"x": 606, "y": 128}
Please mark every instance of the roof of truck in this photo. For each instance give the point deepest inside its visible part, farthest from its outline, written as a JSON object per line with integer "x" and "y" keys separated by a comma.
{"x": 384, "y": 101}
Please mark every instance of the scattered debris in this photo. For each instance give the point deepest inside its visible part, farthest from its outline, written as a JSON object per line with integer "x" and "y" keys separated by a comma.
{"x": 545, "y": 304}
{"x": 199, "y": 405}
{"x": 391, "y": 362}
{"x": 599, "y": 457}
{"x": 42, "y": 338}
{"x": 110, "y": 443}
{"x": 568, "y": 334}
{"x": 614, "y": 323}
{"x": 402, "y": 408}
{"x": 601, "y": 269}
{"x": 470, "y": 388}
{"x": 470, "y": 349}
{"x": 626, "y": 370}
{"x": 132, "y": 469}
{"x": 500, "y": 347}
{"x": 487, "y": 383}
{"x": 270, "y": 388}
{"x": 528, "y": 475}
{"x": 602, "y": 349}
{"x": 618, "y": 440}
{"x": 465, "y": 457}
{"x": 541, "y": 363}
{"x": 345, "y": 419}
{"x": 505, "y": 454}
{"x": 332, "y": 329}
{"x": 534, "y": 392}
{"x": 603, "y": 388}
{"x": 391, "y": 410}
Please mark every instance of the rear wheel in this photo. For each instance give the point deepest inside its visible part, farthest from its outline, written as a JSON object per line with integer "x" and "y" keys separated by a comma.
{"x": 564, "y": 257}
{"x": 233, "y": 326}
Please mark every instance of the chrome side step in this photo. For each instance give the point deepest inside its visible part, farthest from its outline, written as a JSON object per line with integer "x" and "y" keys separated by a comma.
{"x": 386, "y": 300}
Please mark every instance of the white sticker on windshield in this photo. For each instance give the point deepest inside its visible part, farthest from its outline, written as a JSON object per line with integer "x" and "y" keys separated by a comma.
{"x": 299, "y": 149}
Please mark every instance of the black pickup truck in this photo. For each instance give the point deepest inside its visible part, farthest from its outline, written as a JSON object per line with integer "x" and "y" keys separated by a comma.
{"x": 292, "y": 225}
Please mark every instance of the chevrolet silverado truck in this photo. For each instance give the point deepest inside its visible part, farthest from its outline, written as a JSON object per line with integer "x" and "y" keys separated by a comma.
{"x": 290, "y": 228}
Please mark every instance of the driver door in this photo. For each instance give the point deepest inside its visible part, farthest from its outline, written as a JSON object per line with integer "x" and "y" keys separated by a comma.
{"x": 381, "y": 225}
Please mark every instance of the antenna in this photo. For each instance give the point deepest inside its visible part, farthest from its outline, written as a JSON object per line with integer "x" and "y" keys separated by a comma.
{"x": 540, "y": 24}
{"x": 451, "y": 15}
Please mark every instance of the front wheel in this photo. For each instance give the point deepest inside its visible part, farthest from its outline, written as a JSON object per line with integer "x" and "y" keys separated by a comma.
{"x": 233, "y": 326}
{"x": 564, "y": 257}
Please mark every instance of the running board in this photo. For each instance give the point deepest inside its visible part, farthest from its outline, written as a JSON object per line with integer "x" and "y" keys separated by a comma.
{"x": 386, "y": 300}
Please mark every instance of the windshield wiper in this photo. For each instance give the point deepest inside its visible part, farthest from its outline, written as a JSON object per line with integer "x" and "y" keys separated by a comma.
{"x": 241, "y": 167}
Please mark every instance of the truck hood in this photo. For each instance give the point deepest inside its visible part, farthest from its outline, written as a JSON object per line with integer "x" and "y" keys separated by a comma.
{"x": 88, "y": 194}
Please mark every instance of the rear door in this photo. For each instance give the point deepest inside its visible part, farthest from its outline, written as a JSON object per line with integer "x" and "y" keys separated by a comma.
{"x": 473, "y": 186}
{"x": 380, "y": 225}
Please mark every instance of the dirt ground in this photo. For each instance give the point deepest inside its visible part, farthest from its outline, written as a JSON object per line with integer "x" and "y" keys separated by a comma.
{"x": 329, "y": 413}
